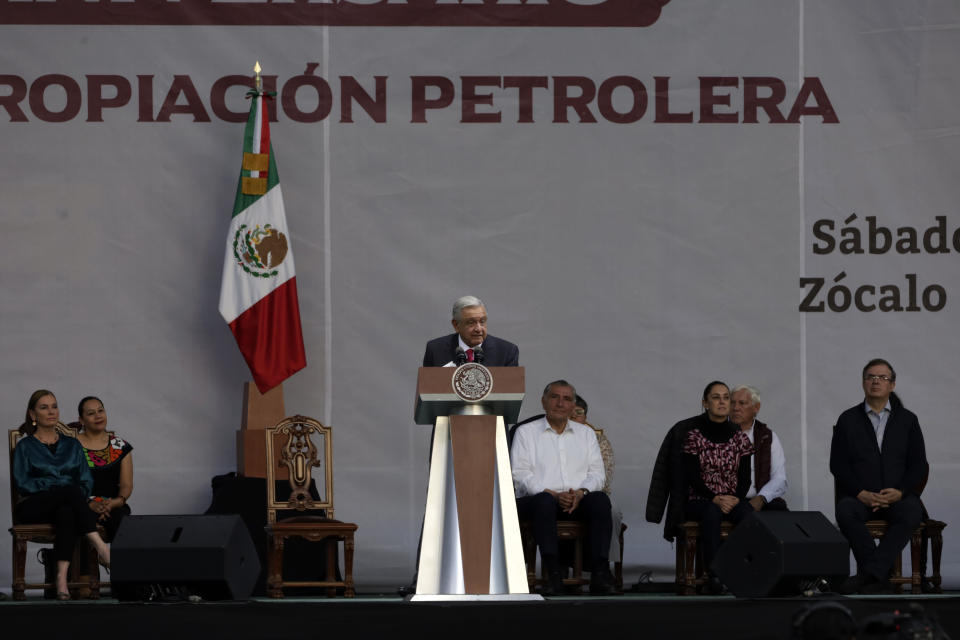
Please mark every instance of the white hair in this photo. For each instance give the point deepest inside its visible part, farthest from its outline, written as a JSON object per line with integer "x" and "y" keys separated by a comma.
{"x": 754, "y": 394}
{"x": 463, "y": 303}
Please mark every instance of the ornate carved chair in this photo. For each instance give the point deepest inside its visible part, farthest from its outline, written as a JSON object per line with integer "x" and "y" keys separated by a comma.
{"x": 43, "y": 534}
{"x": 574, "y": 532}
{"x": 294, "y": 447}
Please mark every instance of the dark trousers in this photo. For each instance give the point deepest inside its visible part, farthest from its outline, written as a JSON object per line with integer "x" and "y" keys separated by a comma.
{"x": 709, "y": 516}
{"x": 777, "y": 504}
{"x": 543, "y": 511}
{"x": 872, "y": 559}
{"x": 64, "y": 507}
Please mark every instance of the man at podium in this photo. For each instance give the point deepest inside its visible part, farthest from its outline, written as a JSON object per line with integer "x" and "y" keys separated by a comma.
{"x": 558, "y": 474}
{"x": 470, "y": 343}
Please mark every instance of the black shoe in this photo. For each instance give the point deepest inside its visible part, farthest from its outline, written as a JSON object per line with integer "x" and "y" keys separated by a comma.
{"x": 876, "y": 587}
{"x": 601, "y": 583}
{"x": 553, "y": 586}
{"x": 712, "y": 587}
{"x": 865, "y": 584}
{"x": 927, "y": 586}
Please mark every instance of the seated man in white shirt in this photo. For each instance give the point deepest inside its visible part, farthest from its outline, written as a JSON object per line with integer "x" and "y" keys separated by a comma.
{"x": 768, "y": 475}
{"x": 558, "y": 475}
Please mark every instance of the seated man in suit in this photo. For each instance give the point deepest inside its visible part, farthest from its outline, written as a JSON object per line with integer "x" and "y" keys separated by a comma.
{"x": 878, "y": 460}
{"x": 558, "y": 474}
{"x": 768, "y": 475}
{"x": 470, "y": 342}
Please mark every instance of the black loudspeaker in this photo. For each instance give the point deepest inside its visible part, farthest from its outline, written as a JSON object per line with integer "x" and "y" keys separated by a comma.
{"x": 210, "y": 556}
{"x": 779, "y": 552}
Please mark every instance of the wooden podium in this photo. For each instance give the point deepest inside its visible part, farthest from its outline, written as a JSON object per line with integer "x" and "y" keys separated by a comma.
{"x": 471, "y": 547}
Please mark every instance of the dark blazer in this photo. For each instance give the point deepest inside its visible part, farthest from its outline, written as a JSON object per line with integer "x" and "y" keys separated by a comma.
{"x": 496, "y": 352}
{"x": 857, "y": 463}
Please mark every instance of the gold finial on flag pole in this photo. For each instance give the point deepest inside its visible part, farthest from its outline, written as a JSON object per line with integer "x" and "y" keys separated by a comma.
{"x": 256, "y": 70}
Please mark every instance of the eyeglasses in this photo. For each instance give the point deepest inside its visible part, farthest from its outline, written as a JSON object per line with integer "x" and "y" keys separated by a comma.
{"x": 872, "y": 377}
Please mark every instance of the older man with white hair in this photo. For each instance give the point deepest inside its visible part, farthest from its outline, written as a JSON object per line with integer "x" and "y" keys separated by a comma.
{"x": 470, "y": 343}
{"x": 768, "y": 476}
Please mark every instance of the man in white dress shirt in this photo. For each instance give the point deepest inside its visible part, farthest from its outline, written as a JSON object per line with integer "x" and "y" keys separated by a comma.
{"x": 768, "y": 475}
{"x": 558, "y": 475}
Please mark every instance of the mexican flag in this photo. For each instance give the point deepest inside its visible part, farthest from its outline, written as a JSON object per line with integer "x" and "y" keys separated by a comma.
{"x": 258, "y": 295}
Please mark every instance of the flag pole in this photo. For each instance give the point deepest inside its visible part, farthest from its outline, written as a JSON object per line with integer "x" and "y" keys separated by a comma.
{"x": 258, "y": 297}
{"x": 259, "y": 410}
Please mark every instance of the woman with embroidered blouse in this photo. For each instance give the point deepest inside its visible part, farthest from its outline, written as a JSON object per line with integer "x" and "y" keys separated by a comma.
{"x": 53, "y": 485}
{"x": 111, "y": 465}
{"x": 716, "y": 455}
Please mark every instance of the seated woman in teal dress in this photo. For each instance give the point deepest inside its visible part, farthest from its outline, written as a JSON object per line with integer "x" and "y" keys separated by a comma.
{"x": 53, "y": 483}
{"x": 111, "y": 465}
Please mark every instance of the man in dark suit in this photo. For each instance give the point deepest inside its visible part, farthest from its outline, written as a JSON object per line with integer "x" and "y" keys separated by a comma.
{"x": 878, "y": 462}
{"x": 470, "y": 342}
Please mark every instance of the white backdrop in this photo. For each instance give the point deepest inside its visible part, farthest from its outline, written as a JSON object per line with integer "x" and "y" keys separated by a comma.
{"x": 637, "y": 259}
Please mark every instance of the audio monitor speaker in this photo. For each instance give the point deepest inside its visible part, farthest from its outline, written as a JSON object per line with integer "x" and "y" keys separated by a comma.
{"x": 777, "y": 552}
{"x": 210, "y": 556}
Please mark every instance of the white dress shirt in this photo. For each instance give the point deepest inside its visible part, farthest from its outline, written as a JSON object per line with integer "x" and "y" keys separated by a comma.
{"x": 777, "y": 485}
{"x": 543, "y": 459}
{"x": 463, "y": 345}
{"x": 878, "y": 420}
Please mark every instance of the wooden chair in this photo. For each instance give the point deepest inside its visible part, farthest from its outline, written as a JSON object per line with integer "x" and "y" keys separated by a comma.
{"x": 690, "y": 573}
{"x": 933, "y": 535}
{"x": 929, "y": 532}
{"x": 292, "y": 453}
{"x": 43, "y": 534}
{"x": 573, "y": 532}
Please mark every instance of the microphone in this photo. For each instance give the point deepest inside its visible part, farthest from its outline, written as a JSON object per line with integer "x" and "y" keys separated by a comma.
{"x": 478, "y": 354}
{"x": 461, "y": 357}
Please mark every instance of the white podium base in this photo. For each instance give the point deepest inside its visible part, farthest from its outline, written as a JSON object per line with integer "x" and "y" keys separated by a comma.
{"x": 475, "y": 597}
{"x": 440, "y": 576}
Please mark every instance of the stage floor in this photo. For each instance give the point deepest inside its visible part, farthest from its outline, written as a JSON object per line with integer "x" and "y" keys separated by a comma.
{"x": 649, "y": 615}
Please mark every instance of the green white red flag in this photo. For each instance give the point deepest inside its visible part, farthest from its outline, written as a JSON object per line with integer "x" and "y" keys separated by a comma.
{"x": 258, "y": 294}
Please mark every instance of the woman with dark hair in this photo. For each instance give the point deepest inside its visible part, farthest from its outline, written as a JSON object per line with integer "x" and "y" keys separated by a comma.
{"x": 53, "y": 483}
{"x": 111, "y": 466}
{"x": 716, "y": 459}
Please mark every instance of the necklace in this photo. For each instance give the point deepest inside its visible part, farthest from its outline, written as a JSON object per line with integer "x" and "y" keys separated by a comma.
{"x": 56, "y": 437}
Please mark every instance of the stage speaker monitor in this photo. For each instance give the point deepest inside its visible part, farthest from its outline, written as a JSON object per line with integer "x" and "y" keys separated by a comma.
{"x": 779, "y": 552}
{"x": 210, "y": 556}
